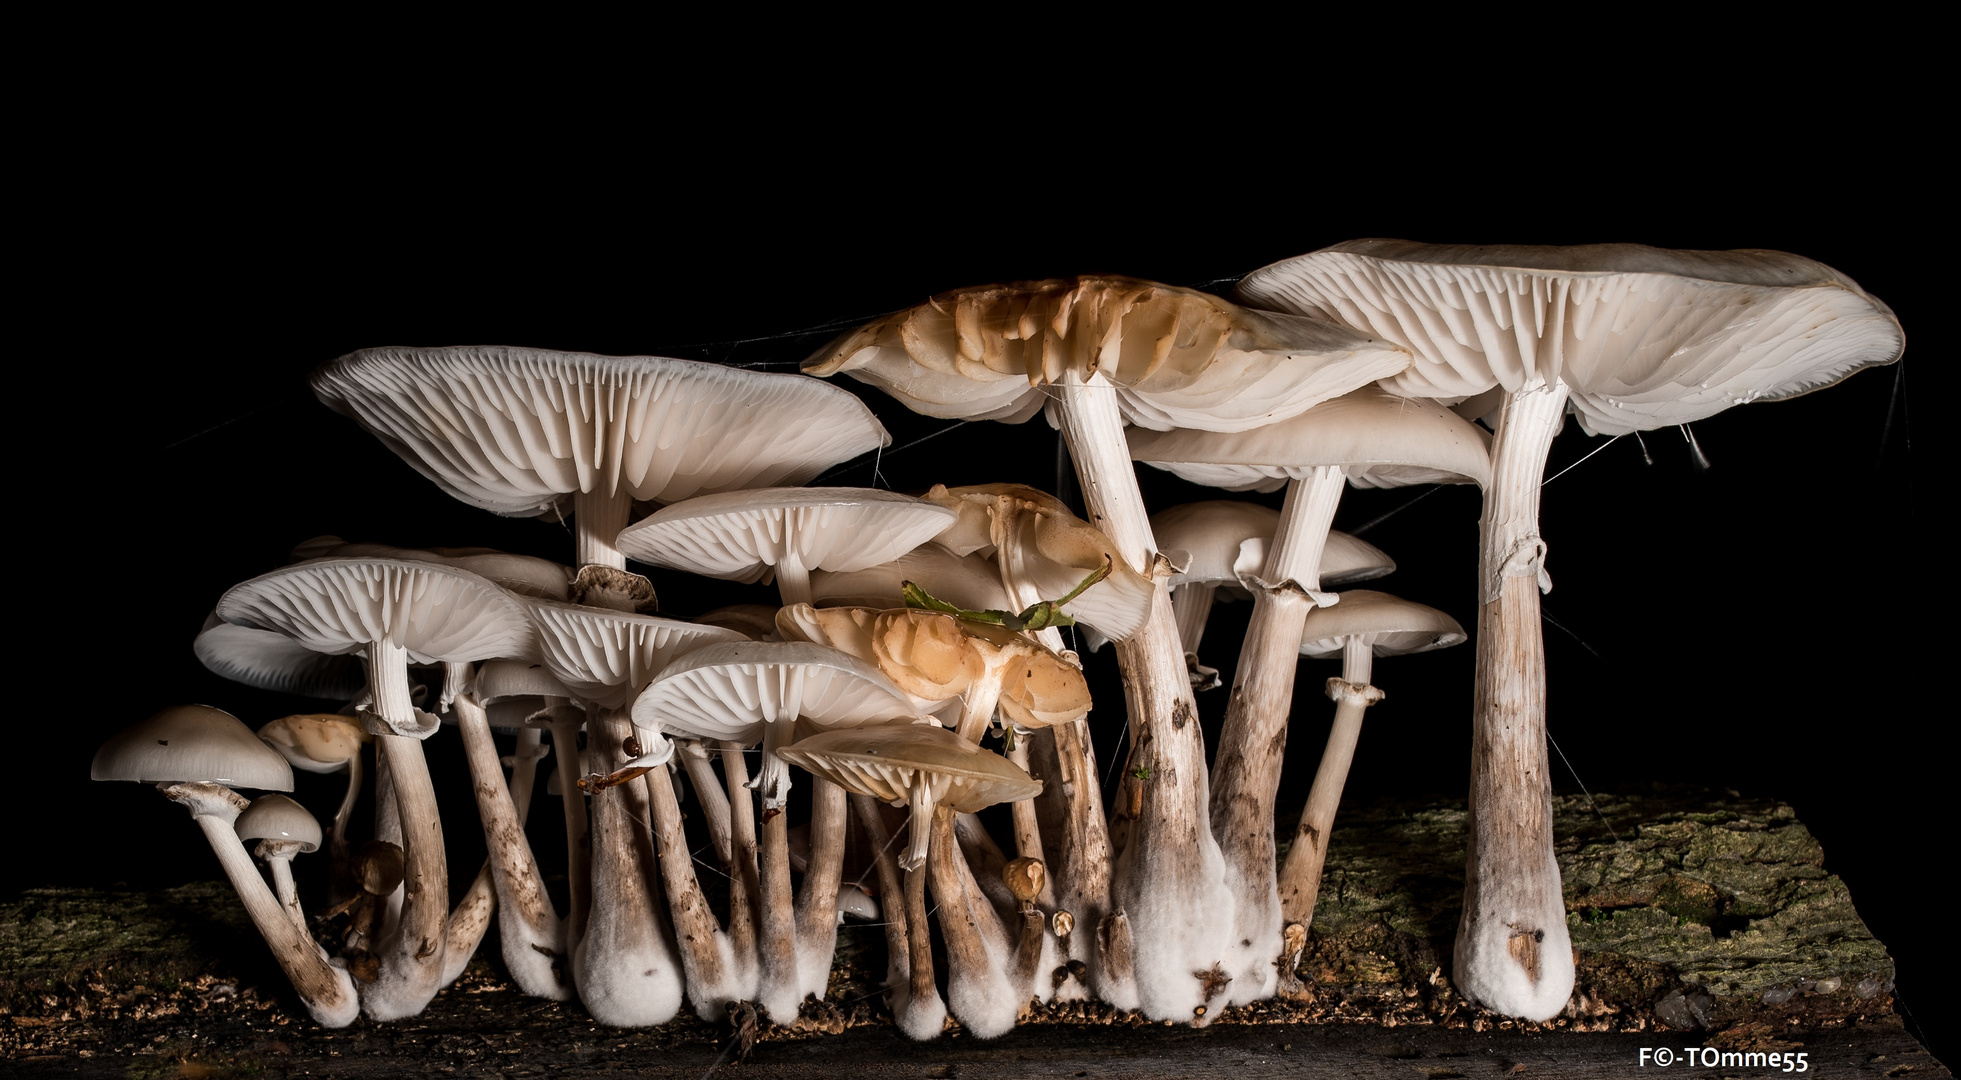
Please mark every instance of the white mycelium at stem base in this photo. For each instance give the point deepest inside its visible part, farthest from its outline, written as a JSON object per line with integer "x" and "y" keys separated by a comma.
{"x": 1631, "y": 338}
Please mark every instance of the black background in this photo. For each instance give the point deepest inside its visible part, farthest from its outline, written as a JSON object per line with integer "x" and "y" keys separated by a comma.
{"x": 1764, "y": 625}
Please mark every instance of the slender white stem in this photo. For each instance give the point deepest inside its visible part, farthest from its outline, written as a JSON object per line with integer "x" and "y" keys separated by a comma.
{"x": 566, "y": 720}
{"x": 598, "y": 517}
{"x": 1253, "y": 739}
{"x": 817, "y": 902}
{"x": 1513, "y": 953}
{"x": 327, "y": 991}
{"x": 1300, "y": 879}
{"x": 1170, "y": 877}
{"x": 528, "y": 927}
{"x": 709, "y": 795}
{"x": 625, "y": 968}
{"x": 706, "y": 956}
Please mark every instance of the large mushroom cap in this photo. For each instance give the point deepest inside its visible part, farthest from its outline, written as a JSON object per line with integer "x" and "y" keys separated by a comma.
{"x": 192, "y": 744}
{"x": 525, "y": 575}
{"x": 1644, "y": 337}
{"x": 512, "y": 430}
{"x": 730, "y": 690}
{"x": 276, "y": 817}
{"x": 1389, "y": 625}
{"x": 967, "y": 581}
{"x": 1178, "y": 357}
{"x": 268, "y": 660}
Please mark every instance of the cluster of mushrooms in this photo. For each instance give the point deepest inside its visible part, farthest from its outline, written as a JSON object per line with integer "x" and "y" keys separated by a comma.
{"x": 914, "y": 673}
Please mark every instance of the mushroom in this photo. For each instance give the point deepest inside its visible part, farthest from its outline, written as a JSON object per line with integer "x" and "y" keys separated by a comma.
{"x": 514, "y": 431}
{"x": 394, "y": 610}
{"x": 1368, "y": 438}
{"x": 1364, "y": 625}
{"x": 1226, "y": 541}
{"x": 936, "y": 774}
{"x": 195, "y": 755}
{"x": 742, "y": 692}
{"x": 284, "y": 829}
{"x": 624, "y": 964}
{"x": 784, "y": 534}
{"x": 1100, "y": 350}
{"x": 322, "y": 743}
{"x": 1628, "y": 337}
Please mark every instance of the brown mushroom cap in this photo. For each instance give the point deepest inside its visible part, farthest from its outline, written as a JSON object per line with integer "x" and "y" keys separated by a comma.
{"x": 192, "y": 744}
{"x": 1178, "y": 357}
{"x": 886, "y": 761}
{"x": 316, "y": 742}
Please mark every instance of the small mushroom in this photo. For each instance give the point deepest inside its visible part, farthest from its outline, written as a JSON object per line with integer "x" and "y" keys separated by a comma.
{"x": 284, "y": 829}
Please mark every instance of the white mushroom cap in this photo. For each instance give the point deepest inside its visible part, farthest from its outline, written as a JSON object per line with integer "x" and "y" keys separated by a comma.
{"x": 269, "y": 660}
{"x": 1389, "y": 625}
{"x": 511, "y": 430}
{"x": 276, "y": 817}
{"x": 1377, "y": 438}
{"x": 1644, "y": 337}
{"x": 744, "y": 535}
{"x": 746, "y": 691}
{"x": 525, "y": 575}
{"x": 1226, "y": 539}
{"x": 607, "y": 657}
{"x": 1178, "y": 357}
{"x": 192, "y": 744}
{"x": 437, "y": 613}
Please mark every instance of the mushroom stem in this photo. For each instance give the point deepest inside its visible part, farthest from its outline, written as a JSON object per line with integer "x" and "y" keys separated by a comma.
{"x": 278, "y": 856}
{"x": 1253, "y": 739}
{"x": 468, "y": 921}
{"x": 412, "y": 959}
{"x": 706, "y": 957}
{"x": 326, "y": 991}
{"x": 1300, "y": 878}
{"x": 1170, "y": 876}
{"x": 817, "y": 903}
{"x": 745, "y": 884}
{"x": 530, "y": 750}
{"x": 1191, "y": 609}
{"x": 624, "y": 968}
{"x": 922, "y": 1015}
{"x": 978, "y": 992}
{"x": 891, "y": 901}
{"x": 598, "y": 517}
{"x": 1080, "y": 870}
{"x": 1028, "y": 830}
{"x": 793, "y": 579}
{"x": 528, "y": 927}
{"x": 337, "y": 850}
{"x": 778, "y": 988}
{"x": 1513, "y": 954}
{"x": 709, "y": 795}
{"x": 565, "y": 721}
